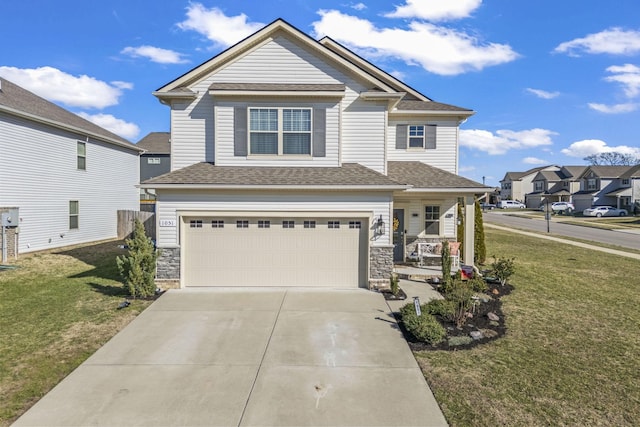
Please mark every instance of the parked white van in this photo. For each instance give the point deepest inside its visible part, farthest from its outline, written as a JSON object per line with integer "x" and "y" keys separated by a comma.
{"x": 510, "y": 204}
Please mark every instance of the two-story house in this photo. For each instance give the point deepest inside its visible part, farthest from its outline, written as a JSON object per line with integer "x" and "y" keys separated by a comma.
{"x": 295, "y": 162}
{"x": 600, "y": 185}
{"x": 64, "y": 176}
{"x": 516, "y": 185}
{"x": 155, "y": 160}
{"x": 554, "y": 186}
{"x": 632, "y": 191}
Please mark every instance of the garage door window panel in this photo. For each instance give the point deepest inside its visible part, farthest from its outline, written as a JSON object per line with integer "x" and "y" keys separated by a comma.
{"x": 217, "y": 223}
{"x": 242, "y": 223}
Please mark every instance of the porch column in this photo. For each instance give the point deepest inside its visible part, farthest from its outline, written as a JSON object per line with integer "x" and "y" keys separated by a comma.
{"x": 469, "y": 230}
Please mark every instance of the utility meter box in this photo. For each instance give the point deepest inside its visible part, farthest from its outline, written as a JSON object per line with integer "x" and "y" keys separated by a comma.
{"x": 11, "y": 218}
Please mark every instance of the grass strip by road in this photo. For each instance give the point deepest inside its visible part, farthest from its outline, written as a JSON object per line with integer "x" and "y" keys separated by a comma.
{"x": 571, "y": 352}
{"x": 57, "y": 309}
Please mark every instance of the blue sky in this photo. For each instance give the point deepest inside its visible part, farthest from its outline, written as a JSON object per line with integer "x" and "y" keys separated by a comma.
{"x": 551, "y": 81}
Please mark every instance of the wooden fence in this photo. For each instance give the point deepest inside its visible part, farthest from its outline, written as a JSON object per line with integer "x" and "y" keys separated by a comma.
{"x": 126, "y": 221}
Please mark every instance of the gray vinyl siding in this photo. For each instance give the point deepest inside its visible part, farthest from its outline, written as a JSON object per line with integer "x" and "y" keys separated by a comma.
{"x": 169, "y": 202}
{"x": 148, "y": 171}
{"x": 444, "y": 156}
{"x": 38, "y": 174}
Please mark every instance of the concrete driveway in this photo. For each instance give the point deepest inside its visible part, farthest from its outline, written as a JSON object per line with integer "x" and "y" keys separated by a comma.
{"x": 222, "y": 357}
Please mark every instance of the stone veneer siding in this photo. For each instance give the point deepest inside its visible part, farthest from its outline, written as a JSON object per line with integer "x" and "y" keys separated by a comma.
{"x": 12, "y": 240}
{"x": 168, "y": 264}
{"x": 380, "y": 266}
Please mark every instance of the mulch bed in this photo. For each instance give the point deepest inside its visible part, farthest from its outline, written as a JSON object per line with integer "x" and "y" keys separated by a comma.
{"x": 456, "y": 337}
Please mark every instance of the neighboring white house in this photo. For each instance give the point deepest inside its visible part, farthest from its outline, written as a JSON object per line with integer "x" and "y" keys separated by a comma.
{"x": 603, "y": 185}
{"x": 516, "y": 185}
{"x": 296, "y": 162}
{"x": 66, "y": 176}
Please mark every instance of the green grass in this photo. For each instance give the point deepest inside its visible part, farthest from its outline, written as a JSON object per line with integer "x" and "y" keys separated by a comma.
{"x": 572, "y": 350}
{"x": 57, "y": 309}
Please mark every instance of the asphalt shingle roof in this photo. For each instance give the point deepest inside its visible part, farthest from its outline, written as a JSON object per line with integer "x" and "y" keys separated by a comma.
{"x": 349, "y": 174}
{"x": 421, "y": 175}
{"x": 156, "y": 143}
{"x": 428, "y": 106}
{"x": 21, "y": 100}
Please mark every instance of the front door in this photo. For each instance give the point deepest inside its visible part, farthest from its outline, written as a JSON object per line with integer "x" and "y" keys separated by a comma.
{"x": 398, "y": 235}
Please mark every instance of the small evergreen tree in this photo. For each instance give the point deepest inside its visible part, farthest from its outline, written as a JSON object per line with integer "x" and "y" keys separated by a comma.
{"x": 460, "y": 229}
{"x": 138, "y": 268}
{"x": 479, "y": 247}
{"x": 446, "y": 265}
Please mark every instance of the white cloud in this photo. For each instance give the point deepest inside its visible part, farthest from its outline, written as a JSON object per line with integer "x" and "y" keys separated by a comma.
{"x": 118, "y": 126}
{"x": 359, "y": 6}
{"x": 628, "y": 75}
{"x": 155, "y": 54}
{"x": 435, "y": 10}
{"x": 534, "y": 161}
{"x": 588, "y": 147}
{"x": 505, "y": 140}
{"x": 212, "y": 23}
{"x": 543, "y": 93}
{"x": 614, "y": 109}
{"x": 58, "y": 86}
{"x": 612, "y": 41}
{"x": 446, "y": 51}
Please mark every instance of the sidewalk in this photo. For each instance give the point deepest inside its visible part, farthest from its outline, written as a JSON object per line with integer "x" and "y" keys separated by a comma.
{"x": 568, "y": 242}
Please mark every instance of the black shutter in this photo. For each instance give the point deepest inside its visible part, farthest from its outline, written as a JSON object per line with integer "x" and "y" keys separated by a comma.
{"x": 319, "y": 132}
{"x": 240, "y": 142}
{"x": 401, "y": 137}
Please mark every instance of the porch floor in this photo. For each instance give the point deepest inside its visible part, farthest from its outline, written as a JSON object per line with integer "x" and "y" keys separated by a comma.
{"x": 409, "y": 272}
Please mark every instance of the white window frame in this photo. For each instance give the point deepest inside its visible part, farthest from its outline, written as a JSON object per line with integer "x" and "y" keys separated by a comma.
{"x": 280, "y": 131}
{"x": 416, "y": 133}
{"x": 437, "y": 221}
{"x": 81, "y": 155}
{"x": 153, "y": 160}
{"x": 74, "y": 215}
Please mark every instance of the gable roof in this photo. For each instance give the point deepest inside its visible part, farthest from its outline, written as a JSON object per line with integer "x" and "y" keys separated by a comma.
{"x": 156, "y": 143}
{"x": 516, "y": 176}
{"x": 207, "y": 175}
{"x": 634, "y": 172}
{"x": 606, "y": 171}
{"x": 421, "y": 176}
{"x": 382, "y": 83}
{"x": 18, "y": 101}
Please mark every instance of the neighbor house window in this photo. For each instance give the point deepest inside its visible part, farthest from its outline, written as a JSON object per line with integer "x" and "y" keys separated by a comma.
{"x": 432, "y": 220}
{"x": 625, "y": 181}
{"x": 280, "y": 131}
{"x": 153, "y": 161}
{"x": 592, "y": 184}
{"x": 81, "y": 151}
{"x": 538, "y": 185}
{"x": 74, "y": 213}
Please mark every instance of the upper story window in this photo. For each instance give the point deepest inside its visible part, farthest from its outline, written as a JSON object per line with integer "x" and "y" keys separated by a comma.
{"x": 538, "y": 185}
{"x": 153, "y": 161}
{"x": 625, "y": 181}
{"x": 81, "y": 152}
{"x": 592, "y": 184}
{"x": 416, "y": 136}
{"x": 280, "y": 131}
{"x": 506, "y": 186}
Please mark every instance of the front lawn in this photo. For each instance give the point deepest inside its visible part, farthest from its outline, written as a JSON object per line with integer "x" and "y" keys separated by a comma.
{"x": 571, "y": 352}
{"x": 57, "y": 309}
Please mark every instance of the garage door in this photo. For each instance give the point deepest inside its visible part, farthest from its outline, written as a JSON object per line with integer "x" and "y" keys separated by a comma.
{"x": 232, "y": 251}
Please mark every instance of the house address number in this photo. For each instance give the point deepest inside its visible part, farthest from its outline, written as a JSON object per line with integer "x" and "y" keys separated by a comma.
{"x": 167, "y": 223}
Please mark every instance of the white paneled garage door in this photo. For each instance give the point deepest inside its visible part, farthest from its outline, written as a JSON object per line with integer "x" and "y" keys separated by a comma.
{"x": 275, "y": 251}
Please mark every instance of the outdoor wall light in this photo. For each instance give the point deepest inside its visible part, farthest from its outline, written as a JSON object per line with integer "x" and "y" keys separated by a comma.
{"x": 379, "y": 226}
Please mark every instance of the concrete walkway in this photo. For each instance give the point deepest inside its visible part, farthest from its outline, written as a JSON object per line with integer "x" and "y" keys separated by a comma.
{"x": 565, "y": 241}
{"x": 237, "y": 357}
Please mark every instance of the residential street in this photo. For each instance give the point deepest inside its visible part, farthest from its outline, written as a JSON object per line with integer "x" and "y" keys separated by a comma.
{"x": 612, "y": 237}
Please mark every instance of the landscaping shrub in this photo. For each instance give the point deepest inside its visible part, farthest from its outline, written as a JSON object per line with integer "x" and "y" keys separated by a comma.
{"x": 445, "y": 257}
{"x": 459, "y": 294}
{"x": 480, "y": 249}
{"x": 439, "y": 307}
{"x": 424, "y": 327}
{"x": 478, "y": 284}
{"x": 394, "y": 284}
{"x": 503, "y": 269}
{"x": 138, "y": 268}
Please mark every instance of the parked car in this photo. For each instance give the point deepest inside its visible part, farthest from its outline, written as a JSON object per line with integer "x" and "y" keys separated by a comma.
{"x": 600, "y": 211}
{"x": 562, "y": 207}
{"x": 510, "y": 204}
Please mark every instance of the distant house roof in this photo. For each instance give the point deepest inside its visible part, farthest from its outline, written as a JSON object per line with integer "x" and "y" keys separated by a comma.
{"x": 156, "y": 143}
{"x": 422, "y": 176}
{"x": 515, "y": 176}
{"x": 208, "y": 175}
{"x": 634, "y": 172}
{"x": 573, "y": 171}
{"x": 18, "y": 101}
{"x": 607, "y": 171}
